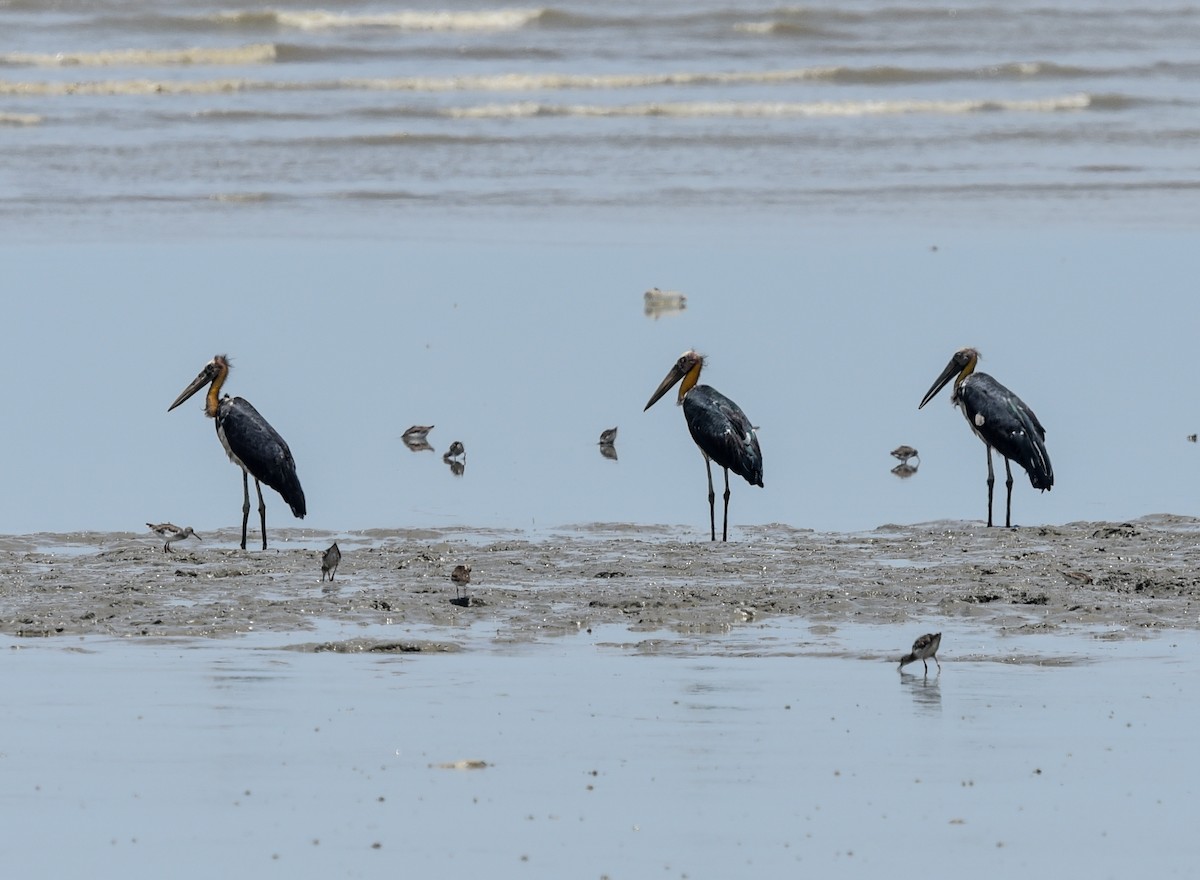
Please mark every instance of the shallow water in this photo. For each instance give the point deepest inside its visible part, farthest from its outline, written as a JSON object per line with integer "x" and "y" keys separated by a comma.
{"x": 607, "y": 753}
{"x": 448, "y": 216}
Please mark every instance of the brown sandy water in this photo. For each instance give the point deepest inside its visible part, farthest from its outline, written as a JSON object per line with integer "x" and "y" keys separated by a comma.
{"x": 614, "y": 702}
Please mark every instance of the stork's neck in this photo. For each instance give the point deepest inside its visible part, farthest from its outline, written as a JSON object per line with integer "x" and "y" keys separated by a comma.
{"x": 690, "y": 378}
{"x": 213, "y": 398}
{"x": 967, "y": 370}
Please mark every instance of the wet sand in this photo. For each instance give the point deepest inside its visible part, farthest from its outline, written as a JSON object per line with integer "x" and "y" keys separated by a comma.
{"x": 1123, "y": 577}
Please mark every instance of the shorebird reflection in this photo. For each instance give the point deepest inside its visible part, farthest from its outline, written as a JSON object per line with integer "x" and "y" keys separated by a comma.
{"x": 904, "y": 471}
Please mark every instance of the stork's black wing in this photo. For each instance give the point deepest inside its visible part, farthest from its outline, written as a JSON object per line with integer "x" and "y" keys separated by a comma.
{"x": 261, "y": 450}
{"x": 723, "y": 432}
{"x": 1004, "y": 422}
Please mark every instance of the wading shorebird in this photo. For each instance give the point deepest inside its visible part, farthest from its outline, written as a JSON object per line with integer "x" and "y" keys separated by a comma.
{"x": 904, "y": 453}
{"x": 250, "y": 442}
{"x": 663, "y": 302}
{"x": 923, "y": 649}
{"x": 329, "y": 562}
{"x": 1001, "y": 420}
{"x": 608, "y": 440}
{"x": 718, "y": 426}
{"x": 456, "y": 449}
{"x": 416, "y": 438}
{"x": 170, "y": 533}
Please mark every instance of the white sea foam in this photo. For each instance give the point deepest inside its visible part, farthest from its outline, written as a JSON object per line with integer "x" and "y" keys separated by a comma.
{"x": 19, "y": 119}
{"x": 699, "y": 109}
{"x": 481, "y": 20}
{"x": 520, "y": 82}
{"x": 256, "y": 53}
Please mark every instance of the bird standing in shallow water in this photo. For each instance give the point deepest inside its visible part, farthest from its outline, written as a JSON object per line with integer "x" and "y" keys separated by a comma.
{"x": 1001, "y": 420}
{"x": 904, "y": 453}
{"x": 924, "y": 648}
{"x": 250, "y": 442}
{"x": 718, "y": 426}
{"x": 416, "y": 438}
{"x": 170, "y": 533}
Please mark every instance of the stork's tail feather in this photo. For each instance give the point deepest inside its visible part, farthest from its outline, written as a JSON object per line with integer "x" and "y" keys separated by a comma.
{"x": 295, "y": 500}
{"x": 1041, "y": 474}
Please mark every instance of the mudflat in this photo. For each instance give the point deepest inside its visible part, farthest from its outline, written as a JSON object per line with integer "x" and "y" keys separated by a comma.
{"x": 1124, "y": 576}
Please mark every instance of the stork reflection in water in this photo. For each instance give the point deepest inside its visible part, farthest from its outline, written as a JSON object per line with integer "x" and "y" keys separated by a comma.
{"x": 251, "y": 443}
{"x": 718, "y": 426}
{"x": 1001, "y": 420}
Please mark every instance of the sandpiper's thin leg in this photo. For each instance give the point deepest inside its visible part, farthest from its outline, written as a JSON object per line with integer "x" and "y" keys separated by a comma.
{"x": 725, "y": 525}
{"x": 262, "y": 512}
{"x": 991, "y": 483}
{"x": 1008, "y": 508}
{"x": 712, "y": 501}
{"x": 245, "y": 505}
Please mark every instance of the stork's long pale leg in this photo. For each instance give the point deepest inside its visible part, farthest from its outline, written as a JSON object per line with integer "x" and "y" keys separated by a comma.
{"x": 712, "y": 500}
{"x": 245, "y": 505}
{"x": 991, "y": 482}
{"x": 725, "y": 525}
{"x": 1008, "y": 482}
{"x": 262, "y": 512}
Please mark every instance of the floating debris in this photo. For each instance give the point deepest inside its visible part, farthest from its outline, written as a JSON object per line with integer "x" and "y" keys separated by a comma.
{"x": 663, "y": 302}
{"x": 329, "y": 562}
{"x": 170, "y": 533}
{"x": 923, "y": 648}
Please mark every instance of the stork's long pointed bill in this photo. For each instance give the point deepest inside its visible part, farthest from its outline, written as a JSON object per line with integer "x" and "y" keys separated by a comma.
{"x": 952, "y": 370}
{"x": 667, "y": 384}
{"x": 199, "y": 382}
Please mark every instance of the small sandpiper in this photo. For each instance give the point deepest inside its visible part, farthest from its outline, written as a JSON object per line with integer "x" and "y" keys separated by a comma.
{"x": 924, "y": 648}
{"x": 170, "y": 533}
{"x": 416, "y": 438}
{"x": 904, "y": 453}
{"x": 461, "y": 577}
{"x": 329, "y": 562}
{"x": 608, "y": 440}
{"x": 663, "y": 302}
{"x": 456, "y": 449}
